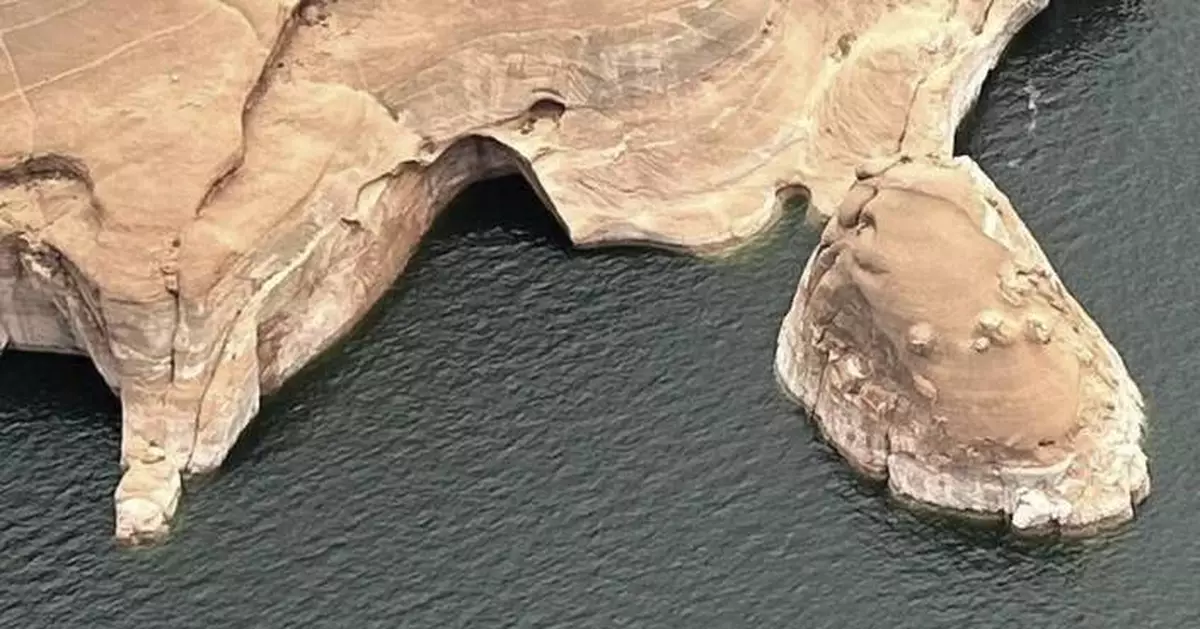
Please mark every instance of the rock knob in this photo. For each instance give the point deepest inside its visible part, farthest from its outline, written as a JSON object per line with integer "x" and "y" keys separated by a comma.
{"x": 994, "y": 327}
{"x": 921, "y": 338}
{"x": 1037, "y": 329}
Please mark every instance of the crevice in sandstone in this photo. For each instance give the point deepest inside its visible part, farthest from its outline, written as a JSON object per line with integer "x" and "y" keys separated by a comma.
{"x": 908, "y": 116}
{"x": 952, "y": 11}
{"x": 278, "y": 47}
{"x": 983, "y": 18}
{"x": 46, "y": 166}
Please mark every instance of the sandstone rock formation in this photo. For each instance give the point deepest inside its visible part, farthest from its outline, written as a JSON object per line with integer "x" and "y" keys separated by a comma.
{"x": 202, "y": 195}
{"x": 937, "y": 347}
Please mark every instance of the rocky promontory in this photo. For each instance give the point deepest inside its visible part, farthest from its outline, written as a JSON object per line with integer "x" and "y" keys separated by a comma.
{"x": 938, "y": 349}
{"x": 203, "y": 195}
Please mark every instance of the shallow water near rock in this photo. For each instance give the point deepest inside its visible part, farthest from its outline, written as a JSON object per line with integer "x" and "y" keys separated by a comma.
{"x": 522, "y": 435}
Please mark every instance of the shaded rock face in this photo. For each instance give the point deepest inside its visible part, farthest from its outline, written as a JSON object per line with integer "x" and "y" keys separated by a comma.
{"x": 936, "y": 346}
{"x": 202, "y": 220}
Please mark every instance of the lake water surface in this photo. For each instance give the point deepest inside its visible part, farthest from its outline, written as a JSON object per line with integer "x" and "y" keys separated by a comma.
{"x": 529, "y": 436}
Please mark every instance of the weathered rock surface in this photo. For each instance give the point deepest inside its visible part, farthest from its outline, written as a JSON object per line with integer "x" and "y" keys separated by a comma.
{"x": 937, "y": 347}
{"x": 147, "y": 496}
{"x": 202, "y": 195}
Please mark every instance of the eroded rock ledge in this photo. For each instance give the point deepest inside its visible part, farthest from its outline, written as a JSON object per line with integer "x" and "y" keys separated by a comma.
{"x": 203, "y": 195}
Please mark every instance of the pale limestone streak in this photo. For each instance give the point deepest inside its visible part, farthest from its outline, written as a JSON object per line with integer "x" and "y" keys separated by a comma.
{"x": 43, "y": 18}
{"x": 20, "y": 93}
{"x": 118, "y": 51}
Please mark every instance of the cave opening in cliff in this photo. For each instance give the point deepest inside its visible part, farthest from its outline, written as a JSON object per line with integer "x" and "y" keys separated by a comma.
{"x": 503, "y": 206}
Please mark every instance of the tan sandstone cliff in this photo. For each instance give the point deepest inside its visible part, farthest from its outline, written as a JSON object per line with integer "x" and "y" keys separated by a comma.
{"x": 202, "y": 195}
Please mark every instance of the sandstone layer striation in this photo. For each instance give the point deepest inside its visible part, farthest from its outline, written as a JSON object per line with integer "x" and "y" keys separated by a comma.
{"x": 203, "y": 195}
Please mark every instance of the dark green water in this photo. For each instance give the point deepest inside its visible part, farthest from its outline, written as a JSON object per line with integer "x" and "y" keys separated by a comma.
{"x": 526, "y": 436}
